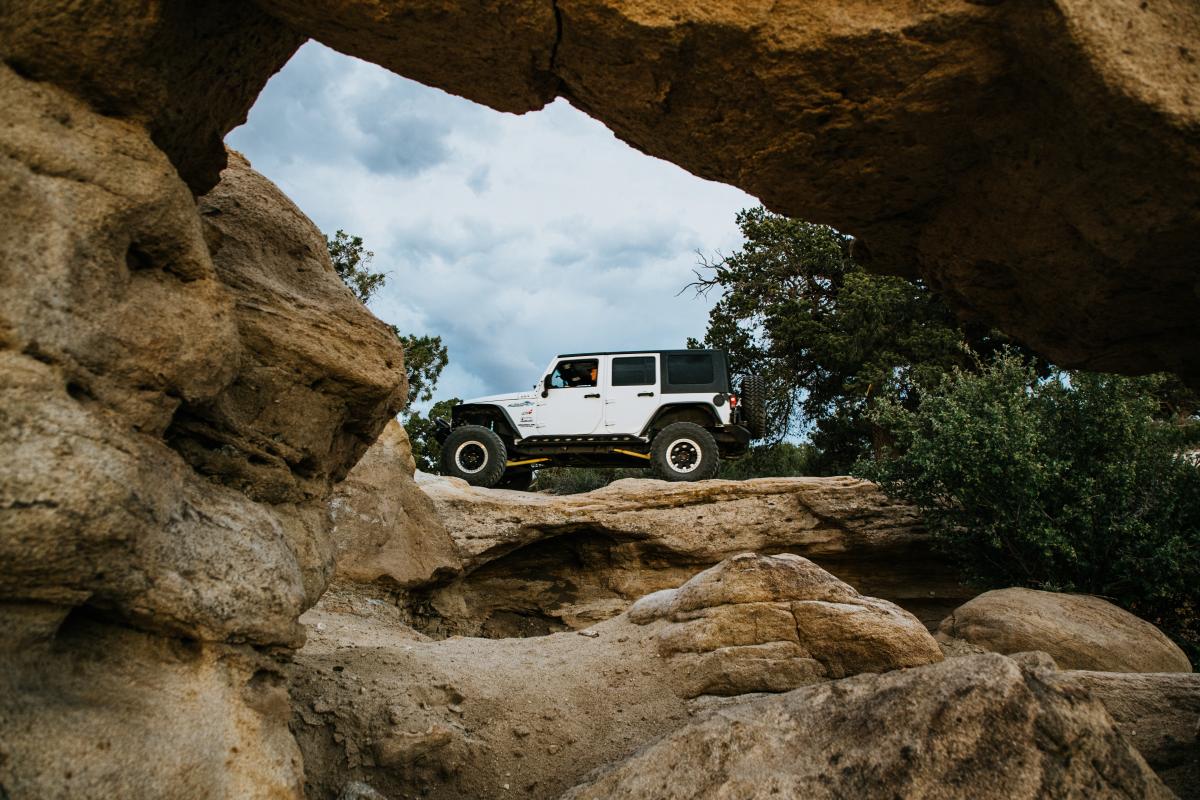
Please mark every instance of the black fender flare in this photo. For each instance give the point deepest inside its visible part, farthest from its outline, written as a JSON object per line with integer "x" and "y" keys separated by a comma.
{"x": 703, "y": 414}
{"x": 505, "y": 425}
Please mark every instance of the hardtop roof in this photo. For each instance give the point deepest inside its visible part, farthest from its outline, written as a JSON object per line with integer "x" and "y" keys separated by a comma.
{"x": 635, "y": 352}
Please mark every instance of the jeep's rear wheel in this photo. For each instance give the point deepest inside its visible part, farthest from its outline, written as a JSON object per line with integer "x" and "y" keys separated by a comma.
{"x": 683, "y": 451}
{"x": 475, "y": 454}
{"x": 754, "y": 405}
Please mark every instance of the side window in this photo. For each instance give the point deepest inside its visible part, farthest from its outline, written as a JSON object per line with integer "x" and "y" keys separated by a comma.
{"x": 633, "y": 371}
{"x": 577, "y": 372}
{"x": 690, "y": 368}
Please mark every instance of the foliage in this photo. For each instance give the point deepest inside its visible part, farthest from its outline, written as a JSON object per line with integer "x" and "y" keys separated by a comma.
{"x": 828, "y": 338}
{"x": 424, "y": 359}
{"x": 574, "y": 480}
{"x": 353, "y": 264}
{"x": 1069, "y": 483}
{"x": 771, "y": 460}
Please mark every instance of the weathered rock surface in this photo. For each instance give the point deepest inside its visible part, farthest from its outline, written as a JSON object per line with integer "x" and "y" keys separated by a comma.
{"x": 384, "y": 526}
{"x": 187, "y": 72}
{"x": 1158, "y": 713}
{"x": 105, "y": 273}
{"x": 380, "y": 703}
{"x": 91, "y": 710}
{"x": 111, "y": 318}
{"x": 167, "y": 452}
{"x": 1078, "y": 631}
{"x": 319, "y": 376}
{"x": 973, "y": 727}
{"x": 758, "y": 623}
{"x": 507, "y": 65}
{"x": 1037, "y": 162}
{"x": 538, "y": 563}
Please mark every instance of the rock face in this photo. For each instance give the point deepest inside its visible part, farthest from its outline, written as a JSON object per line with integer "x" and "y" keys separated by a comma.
{"x": 91, "y": 710}
{"x": 771, "y": 623}
{"x": 975, "y": 727}
{"x": 486, "y": 718}
{"x": 385, "y": 527}
{"x": 172, "y": 415}
{"x": 1036, "y": 162}
{"x": 187, "y": 72}
{"x": 113, "y": 317}
{"x": 537, "y": 563}
{"x": 1078, "y": 631}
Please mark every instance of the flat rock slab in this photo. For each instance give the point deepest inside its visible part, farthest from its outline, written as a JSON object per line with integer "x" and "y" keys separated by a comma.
{"x": 557, "y": 562}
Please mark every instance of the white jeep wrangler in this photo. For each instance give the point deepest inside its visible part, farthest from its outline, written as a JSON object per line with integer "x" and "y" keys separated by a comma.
{"x": 672, "y": 410}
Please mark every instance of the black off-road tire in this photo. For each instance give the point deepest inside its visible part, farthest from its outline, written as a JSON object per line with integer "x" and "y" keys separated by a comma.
{"x": 519, "y": 479}
{"x": 683, "y": 451}
{"x": 475, "y": 454}
{"x": 753, "y": 398}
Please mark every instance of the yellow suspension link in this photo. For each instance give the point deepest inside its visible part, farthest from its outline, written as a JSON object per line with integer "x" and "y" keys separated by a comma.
{"x": 526, "y": 461}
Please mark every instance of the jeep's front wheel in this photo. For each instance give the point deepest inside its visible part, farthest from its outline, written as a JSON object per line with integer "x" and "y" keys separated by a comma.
{"x": 475, "y": 454}
{"x": 683, "y": 451}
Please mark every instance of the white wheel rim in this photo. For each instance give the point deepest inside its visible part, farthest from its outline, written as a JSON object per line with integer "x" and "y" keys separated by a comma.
{"x": 458, "y": 454}
{"x": 682, "y": 450}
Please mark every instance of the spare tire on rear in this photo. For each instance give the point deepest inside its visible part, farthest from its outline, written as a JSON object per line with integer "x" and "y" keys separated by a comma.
{"x": 753, "y": 398}
{"x": 475, "y": 454}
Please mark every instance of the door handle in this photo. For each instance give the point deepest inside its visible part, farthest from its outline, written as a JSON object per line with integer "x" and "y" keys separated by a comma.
{"x": 592, "y": 395}
{"x": 645, "y": 394}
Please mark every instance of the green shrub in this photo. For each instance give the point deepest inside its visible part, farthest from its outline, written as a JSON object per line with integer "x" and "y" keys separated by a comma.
{"x": 1071, "y": 483}
{"x": 574, "y": 480}
{"x": 782, "y": 459}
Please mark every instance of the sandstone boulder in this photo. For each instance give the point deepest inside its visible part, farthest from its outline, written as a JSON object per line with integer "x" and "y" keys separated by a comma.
{"x": 319, "y": 375}
{"x": 771, "y": 623}
{"x": 536, "y": 563}
{"x": 1078, "y": 631}
{"x": 973, "y": 727}
{"x": 384, "y": 526}
{"x": 1158, "y": 713}
{"x": 104, "y": 272}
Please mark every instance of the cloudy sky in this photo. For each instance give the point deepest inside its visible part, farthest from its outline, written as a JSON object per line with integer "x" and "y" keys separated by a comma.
{"x": 512, "y": 237}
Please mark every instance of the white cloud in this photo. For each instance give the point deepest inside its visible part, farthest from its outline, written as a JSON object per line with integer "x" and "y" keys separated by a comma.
{"x": 512, "y": 237}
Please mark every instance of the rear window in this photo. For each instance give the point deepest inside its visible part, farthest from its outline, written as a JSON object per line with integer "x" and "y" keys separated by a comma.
{"x": 633, "y": 371}
{"x": 690, "y": 369}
